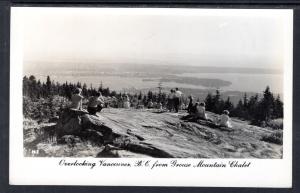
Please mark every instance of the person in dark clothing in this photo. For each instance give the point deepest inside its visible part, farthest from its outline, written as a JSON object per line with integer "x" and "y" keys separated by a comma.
{"x": 95, "y": 104}
{"x": 191, "y": 105}
{"x": 171, "y": 100}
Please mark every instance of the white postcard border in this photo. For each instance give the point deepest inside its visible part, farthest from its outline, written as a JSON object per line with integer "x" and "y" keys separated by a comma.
{"x": 47, "y": 171}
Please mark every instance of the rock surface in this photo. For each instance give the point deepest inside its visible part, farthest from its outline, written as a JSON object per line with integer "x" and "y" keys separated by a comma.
{"x": 149, "y": 133}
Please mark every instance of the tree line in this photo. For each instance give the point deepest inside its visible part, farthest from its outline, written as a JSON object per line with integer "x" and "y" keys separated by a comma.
{"x": 37, "y": 89}
{"x": 253, "y": 108}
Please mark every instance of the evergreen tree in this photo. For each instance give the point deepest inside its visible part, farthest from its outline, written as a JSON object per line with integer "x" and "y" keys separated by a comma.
{"x": 68, "y": 90}
{"x": 278, "y": 108}
{"x": 145, "y": 100}
{"x": 245, "y": 102}
{"x": 32, "y": 78}
{"x": 217, "y": 104}
{"x": 246, "y": 114}
{"x": 25, "y": 86}
{"x": 140, "y": 96}
{"x": 154, "y": 97}
{"x": 150, "y": 95}
{"x": 39, "y": 89}
{"x": 32, "y": 85}
{"x": 228, "y": 105}
{"x": 239, "y": 110}
{"x": 105, "y": 91}
{"x": 253, "y": 106}
{"x": 266, "y": 105}
{"x": 209, "y": 102}
{"x": 78, "y": 85}
{"x": 84, "y": 90}
{"x": 48, "y": 86}
{"x": 217, "y": 97}
{"x": 58, "y": 89}
{"x": 113, "y": 93}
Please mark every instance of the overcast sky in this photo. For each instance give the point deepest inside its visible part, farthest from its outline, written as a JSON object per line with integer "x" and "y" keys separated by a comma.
{"x": 160, "y": 36}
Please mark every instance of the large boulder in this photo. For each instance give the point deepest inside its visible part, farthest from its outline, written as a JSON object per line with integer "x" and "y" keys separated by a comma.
{"x": 80, "y": 123}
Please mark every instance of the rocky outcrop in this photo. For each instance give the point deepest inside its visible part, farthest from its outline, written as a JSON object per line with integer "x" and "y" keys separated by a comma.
{"x": 101, "y": 131}
{"x": 149, "y": 133}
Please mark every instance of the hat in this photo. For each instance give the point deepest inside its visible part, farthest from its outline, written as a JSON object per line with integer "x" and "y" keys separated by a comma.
{"x": 226, "y": 112}
{"x": 78, "y": 90}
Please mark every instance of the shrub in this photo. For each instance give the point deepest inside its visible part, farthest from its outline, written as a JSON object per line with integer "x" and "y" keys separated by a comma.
{"x": 43, "y": 108}
{"x": 275, "y": 124}
{"x": 275, "y": 137}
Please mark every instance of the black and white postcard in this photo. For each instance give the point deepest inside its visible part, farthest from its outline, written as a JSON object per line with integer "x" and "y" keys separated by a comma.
{"x": 151, "y": 97}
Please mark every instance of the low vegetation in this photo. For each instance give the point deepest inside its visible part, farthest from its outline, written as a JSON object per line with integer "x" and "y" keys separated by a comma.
{"x": 275, "y": 137}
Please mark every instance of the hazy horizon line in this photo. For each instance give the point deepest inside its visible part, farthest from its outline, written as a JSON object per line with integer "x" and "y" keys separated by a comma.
{"x": 95, "y": 63}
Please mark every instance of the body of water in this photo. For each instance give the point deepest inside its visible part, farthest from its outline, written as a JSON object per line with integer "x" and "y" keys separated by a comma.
{"x": 245, "y": 82}
{"x": 240, "y": 81}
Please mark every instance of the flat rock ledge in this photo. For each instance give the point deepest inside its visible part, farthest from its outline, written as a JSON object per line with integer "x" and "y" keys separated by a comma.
{"x": 150, "y": 133}
{"x": 101, "y": 132}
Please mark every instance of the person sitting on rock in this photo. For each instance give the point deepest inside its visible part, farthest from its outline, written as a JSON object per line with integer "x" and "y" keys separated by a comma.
{"x": 95, "y": 104}
{"x": 121, "y": 102}
{"x": 224, "y": 120}
{"x": 77, "y": 99}
{"x": 160, "y": 106}
{"x": 150, "y": 104}
{"x": 126, "y": 102}
{"x": 200, "y": 111}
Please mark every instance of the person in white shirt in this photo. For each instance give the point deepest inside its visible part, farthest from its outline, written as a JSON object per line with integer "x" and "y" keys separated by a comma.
{"x": 177, "y": 98}
{"x": 77, "y": 99}
{"x": 224, "y": 120}
{"x": 126, "y": 101}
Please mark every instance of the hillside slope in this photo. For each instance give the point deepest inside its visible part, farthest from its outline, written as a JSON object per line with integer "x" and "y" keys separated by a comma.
{"x": 140, "y": 133}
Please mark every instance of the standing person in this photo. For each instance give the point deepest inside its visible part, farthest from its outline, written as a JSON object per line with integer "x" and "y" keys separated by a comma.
{"x": 95, "y": 104}
{"x": 224, "y": 120}
{"x": 171, "y": 100}
{"x": 191, "y": 104}
{"x": 77, "y": 99}
{"x": 177, "y": 98}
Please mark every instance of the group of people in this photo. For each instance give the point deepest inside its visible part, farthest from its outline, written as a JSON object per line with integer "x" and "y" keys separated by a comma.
{"x": 123, "y": 102}
{"x": 174, "y": 100}
{"x": 94, "y": 105}
{"x": 197, "y": 111}
{"x": 155, "y": 105}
